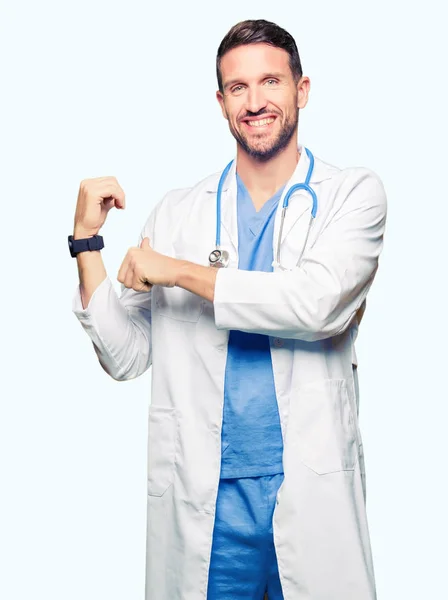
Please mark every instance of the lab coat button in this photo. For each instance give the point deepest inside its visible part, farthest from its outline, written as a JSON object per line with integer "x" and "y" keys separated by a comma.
{"x": 278, "y": 342}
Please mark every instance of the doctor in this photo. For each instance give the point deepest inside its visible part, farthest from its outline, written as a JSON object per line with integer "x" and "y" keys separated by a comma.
{"x": 256, "y": 480}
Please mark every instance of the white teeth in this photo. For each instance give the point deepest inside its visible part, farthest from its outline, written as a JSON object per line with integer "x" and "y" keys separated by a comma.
{"x": 261, "y": 122}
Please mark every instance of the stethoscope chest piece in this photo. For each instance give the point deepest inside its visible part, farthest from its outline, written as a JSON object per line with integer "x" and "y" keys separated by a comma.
{"x": 218, "y": 258}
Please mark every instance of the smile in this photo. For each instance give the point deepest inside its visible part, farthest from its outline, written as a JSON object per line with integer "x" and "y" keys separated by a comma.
{"x": 260, "y": 122}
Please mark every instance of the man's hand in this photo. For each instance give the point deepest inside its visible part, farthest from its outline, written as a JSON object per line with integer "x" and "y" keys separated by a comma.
{"x": 144, "y": 267}
{"x": 95, "y": 199}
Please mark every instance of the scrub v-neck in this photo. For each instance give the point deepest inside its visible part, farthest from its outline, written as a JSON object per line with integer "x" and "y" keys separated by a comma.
{"x": 255, "y": 220}
{"x": 255, "y": 230}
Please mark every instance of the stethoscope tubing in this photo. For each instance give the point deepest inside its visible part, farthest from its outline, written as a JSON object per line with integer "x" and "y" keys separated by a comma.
{"x": 294, "y": 188}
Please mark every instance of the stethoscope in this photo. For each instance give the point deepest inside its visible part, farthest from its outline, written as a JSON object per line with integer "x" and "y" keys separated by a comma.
{"x": 220, "y": 258}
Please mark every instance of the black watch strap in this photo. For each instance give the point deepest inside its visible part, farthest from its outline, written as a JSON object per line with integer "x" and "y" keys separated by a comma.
{"x": 93, "y": 243}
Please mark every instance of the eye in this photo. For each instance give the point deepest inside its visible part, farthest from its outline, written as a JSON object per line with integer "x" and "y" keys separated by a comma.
{"x": 271, "y": 82}
{"x": 237, "y": 89}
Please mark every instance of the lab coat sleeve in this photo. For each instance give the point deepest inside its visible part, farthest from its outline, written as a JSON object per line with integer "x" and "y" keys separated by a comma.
{"x": 318, "y": 299}
{"x": 119, "y": 327}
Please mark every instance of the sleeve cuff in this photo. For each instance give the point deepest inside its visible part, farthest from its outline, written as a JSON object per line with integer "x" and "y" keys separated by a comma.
{"x": 96, "y": 302}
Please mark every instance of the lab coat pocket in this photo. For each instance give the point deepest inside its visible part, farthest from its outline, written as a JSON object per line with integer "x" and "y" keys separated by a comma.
{"x": 325, "y": 427}
{"x": 177, "y": 303}
{"x": 162, "y": 439}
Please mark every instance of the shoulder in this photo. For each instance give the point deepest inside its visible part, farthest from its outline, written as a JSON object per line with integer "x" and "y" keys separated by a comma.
{"x": 352, "y": 175}
{"x": 361, "y": 183}
{"x": 364, "y": 187}
{"x": 176, "y": 198}
{"x": 205, "y": 185}
{"x": 178, "y": 202}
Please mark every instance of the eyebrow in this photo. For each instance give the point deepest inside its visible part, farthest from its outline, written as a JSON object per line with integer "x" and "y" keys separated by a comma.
{"x": 277, "y": 75}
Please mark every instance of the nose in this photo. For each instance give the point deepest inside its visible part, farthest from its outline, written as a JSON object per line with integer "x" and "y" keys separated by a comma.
{"x": 256, "y": 99}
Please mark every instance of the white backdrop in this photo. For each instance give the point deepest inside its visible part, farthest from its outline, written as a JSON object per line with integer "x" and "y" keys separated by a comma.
{"x": 95, "y": 88}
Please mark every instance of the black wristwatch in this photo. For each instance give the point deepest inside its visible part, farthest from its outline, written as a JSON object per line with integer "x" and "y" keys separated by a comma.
{"x": 92, "y": 243}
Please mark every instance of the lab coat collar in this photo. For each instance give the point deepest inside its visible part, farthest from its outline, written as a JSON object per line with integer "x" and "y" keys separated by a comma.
{"x": 320, "y": 173}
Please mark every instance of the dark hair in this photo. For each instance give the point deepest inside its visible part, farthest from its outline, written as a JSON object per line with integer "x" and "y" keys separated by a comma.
{"x": 256, "y": 32}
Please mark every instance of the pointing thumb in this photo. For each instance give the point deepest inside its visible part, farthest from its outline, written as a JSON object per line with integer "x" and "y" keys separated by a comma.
{"x": 145, "y": 243}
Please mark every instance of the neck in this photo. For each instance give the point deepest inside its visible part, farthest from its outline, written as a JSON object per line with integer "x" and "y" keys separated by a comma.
{"x": 263, "y": 179}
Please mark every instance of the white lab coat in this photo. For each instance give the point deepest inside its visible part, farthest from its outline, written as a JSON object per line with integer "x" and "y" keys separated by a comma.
{"x": 311, "y": 316}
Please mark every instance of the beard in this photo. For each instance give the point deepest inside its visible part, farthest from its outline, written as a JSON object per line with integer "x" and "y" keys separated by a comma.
{"x": 271, "y": 148}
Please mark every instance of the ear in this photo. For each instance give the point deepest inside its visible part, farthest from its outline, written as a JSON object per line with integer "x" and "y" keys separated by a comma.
{"x": 220, "y": 98}
{"x": 303, "y": 90}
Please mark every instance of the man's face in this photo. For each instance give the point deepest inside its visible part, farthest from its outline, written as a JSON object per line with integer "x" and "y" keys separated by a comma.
{"x": 260, "y": 99}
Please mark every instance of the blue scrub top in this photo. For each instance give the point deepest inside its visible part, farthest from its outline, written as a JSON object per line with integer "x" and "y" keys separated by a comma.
{"x": 252, "y": 443}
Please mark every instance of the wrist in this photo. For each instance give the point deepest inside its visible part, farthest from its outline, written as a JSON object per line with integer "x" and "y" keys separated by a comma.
{"x": 181, "y": 272}
{"x": 84, "y": 242}
{"x": 82, "y": 234}
{"x": 198, "y": 279}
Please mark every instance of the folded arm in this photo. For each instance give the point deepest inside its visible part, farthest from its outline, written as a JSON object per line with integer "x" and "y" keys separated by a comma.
{"x": 319, "y": 298}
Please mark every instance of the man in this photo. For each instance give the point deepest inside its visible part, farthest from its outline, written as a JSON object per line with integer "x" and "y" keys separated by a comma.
{"x": 256, "y": 478}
